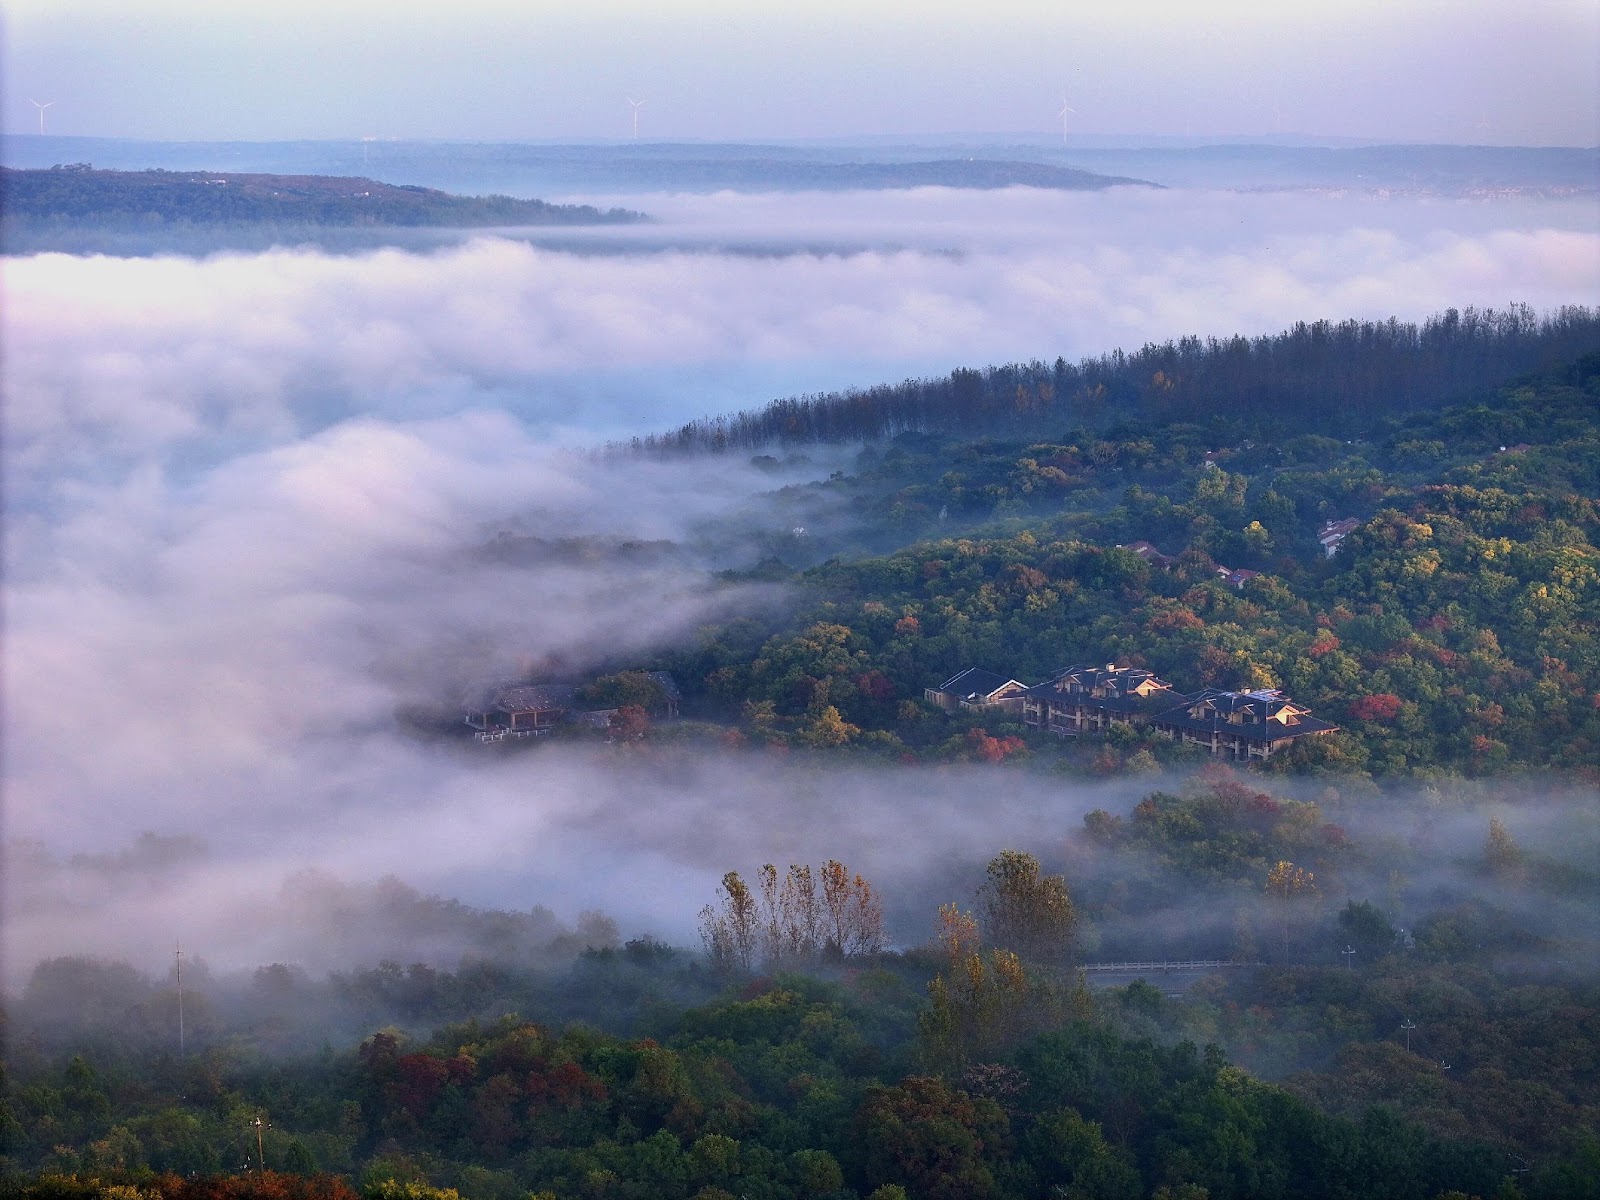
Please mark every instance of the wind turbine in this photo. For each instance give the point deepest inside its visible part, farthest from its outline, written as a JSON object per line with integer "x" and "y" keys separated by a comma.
{"x": 41, "y": 108}
{"x": 1065, "y": 109}
{"x": 637, "y": 105}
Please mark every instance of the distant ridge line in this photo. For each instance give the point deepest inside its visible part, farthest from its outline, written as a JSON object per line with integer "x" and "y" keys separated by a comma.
{"x": 1321, "y": 376}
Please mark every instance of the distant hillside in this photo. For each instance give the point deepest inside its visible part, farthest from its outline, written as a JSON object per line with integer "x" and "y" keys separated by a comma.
{"x": 546, "y": 169}
{"x": 764, "y": 173}
{"x": 71, "y": 197}
{"x": 1476, "y": 172}
{"x": 1322, "y": 377}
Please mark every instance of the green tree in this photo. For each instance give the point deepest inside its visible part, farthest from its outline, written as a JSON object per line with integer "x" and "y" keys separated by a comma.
{"x": 1501, "y": 852}
{"x": 636, "y": 688}
{"x": 930, "y": 1139}
{"x": 1073, "y": 1159}
{"x": 1364, "y": 928}
{"x": 1026, "y": 911}
{"x": 1291, "y": 889}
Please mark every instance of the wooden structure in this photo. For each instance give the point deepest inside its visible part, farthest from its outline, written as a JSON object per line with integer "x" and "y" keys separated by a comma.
{"x": 521, "y": 709}
{"x": 1243, "y": 726}
{"x": 975, "y": 689}
{"x": 672, "y": 697}
{"x": 1085, "y": 699}
{"x": 1150, "y": 554}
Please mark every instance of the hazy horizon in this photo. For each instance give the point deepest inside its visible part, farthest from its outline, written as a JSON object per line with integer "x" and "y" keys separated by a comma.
{"x": 487, "y": 70}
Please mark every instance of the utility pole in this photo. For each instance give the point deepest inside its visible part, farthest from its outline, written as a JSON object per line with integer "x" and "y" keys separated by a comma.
{"x": 1349, "y": 953}
{"x": 1408, "y": 1025}
{"x": 261, "y": 1157}
{"x": 177, "y": 955}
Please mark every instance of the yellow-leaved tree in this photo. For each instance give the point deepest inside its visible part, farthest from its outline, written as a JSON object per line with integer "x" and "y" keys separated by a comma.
{"x": 1293, "y": 892}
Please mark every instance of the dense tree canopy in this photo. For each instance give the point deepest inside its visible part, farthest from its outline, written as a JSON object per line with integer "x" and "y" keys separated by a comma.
{"x": 1322, "y": 377}
{"x": 1457, "y": 627}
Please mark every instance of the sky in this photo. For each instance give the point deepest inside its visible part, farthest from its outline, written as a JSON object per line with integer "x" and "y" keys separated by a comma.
{"x": 1474, "y": 71}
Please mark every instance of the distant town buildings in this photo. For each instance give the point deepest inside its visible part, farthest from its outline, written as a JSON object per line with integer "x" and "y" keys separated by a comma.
{"x": 1082, "y": 700}
{"x": 523, "y": 710}
{"x": 1240, "y": 725}
{"x": 1153, "y": 556}
{"x": 1236, "y": 579}
{"x": 1243, "y": 726}
{"x": 520, "y": 709}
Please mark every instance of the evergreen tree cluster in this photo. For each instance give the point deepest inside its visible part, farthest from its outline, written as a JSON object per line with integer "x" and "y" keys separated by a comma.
{"x": 1319, "y": 377}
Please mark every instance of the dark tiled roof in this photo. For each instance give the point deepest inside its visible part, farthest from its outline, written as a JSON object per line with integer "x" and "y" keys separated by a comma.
{"x": 520, "y": 697}
{"x": 1263, "y": 705}
{"x": 531, "y": 696}
{"x": 975, "y": 684}
{"x": 1118, "y": 683}
{"x": 1149, "y": 553}
{"x": 669, "y": 685}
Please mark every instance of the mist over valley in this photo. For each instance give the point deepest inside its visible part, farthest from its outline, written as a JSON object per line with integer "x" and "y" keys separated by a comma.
{"x": 277, "y": 508}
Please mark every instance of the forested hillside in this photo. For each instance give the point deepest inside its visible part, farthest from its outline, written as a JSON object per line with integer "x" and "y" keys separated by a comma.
{"x": 1452, "y": 1058}
{"x": 1326, "y": 377}
{"x": 1457, "y": 628}
{"x": 78, "y": 195}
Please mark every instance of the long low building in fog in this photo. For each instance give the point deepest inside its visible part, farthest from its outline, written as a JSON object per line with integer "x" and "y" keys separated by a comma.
{"x": 1240, "y": 725}
{"x": 1080, "y": 700}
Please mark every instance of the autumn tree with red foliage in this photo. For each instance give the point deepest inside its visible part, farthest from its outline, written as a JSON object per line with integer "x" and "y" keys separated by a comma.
{"x": 1380, "y": 706}
{"x": 261, "y": 1185}
{"x": 988, "y": 749}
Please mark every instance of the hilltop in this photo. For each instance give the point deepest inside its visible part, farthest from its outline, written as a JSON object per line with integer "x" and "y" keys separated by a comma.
{"x": 64, "y": 200}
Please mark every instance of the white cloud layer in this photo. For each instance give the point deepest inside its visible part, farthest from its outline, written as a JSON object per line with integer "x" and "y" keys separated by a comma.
{"x": 247, "y": 497}
{"x": 168, "y": 640}
{"x": 113, "y": 361}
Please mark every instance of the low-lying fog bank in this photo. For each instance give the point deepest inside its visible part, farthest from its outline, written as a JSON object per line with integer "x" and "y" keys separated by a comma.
{"x": 248, "y": 499}
{"x": 328, "y": 862}
{"x": 729, "y": 301}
